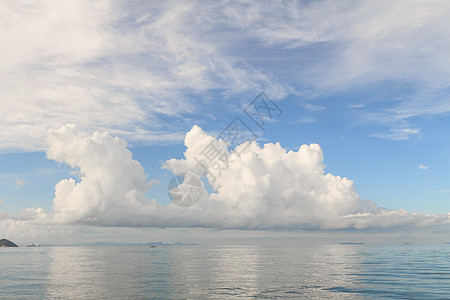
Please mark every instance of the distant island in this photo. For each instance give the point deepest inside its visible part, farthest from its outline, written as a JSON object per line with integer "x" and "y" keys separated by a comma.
{"x": 114, "y": 244}
{"x": 350, "y": 243}
{"x": 7, "y": 243}
{"x": 161, "y": 244}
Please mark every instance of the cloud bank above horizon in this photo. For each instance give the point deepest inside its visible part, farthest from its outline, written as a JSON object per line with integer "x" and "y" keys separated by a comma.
{"x": 257, "y": 188}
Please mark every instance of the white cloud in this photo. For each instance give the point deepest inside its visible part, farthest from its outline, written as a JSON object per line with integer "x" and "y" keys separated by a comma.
{"x": 111, "y": 184}
{"x": 256, "y": 188}
{"x": 270, "y": 188}
{"x": 121, "y": 68}
{"x": 359, "y": 43}
{"x": 21, "y": 182}
{"x": 369, "y": 40}
{"x": 441, "y": 191}
{"x": 304, "y": 120}
{"x": 313, "y": 107}
{"x": 423, "y": 167}
{"x": 398, "y": 134}
{"x": 356, "y": 105}
{"x": 26, "y": 232}
{"x": 108, "y": 68}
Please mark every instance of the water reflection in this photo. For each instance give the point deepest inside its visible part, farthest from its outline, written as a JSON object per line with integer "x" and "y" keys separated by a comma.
{"x": 222, "y": 271}
{"x": 202, "y": 272}
{"x": 23, "y": 273}
{"x": 264, "y": 272}
{"x": 230, "y": 272}
{"x": 106, "y": 273}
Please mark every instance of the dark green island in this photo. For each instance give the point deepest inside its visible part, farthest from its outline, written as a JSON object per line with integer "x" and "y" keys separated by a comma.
{"x": 7, "y": 243}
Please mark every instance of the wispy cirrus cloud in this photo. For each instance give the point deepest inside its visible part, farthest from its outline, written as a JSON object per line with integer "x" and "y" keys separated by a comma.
{"x": 423, "y": 167}
{"x": 126, "y": 70}
{"x": 21, "y": 182}
{"x": 398, "y": 134}
{"x": 357, "y": 44}
{"x": 103, "y": 67}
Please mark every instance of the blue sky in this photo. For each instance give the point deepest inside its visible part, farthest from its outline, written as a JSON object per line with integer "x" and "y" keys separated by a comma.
{"x": 367, "y": 81}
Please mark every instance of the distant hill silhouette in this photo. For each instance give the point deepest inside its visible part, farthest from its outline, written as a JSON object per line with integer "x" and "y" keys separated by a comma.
{"x": 351, "y": 243}
{"x": 7, "y": 243}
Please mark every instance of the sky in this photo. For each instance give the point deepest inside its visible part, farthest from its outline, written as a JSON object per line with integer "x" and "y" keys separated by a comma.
{"x": 342, "y": 110}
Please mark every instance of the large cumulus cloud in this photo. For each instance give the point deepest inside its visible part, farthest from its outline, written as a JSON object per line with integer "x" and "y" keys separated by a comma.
{"x": 112, "y": 185}
{"x": 254, "y": 187}
{"x": 267, "y": 186}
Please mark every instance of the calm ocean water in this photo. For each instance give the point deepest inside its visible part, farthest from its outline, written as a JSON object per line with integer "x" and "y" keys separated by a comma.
{"x": 227, "y": 272}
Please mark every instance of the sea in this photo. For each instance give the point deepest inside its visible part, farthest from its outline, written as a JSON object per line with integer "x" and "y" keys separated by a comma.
{"x": 227, "y": 272}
